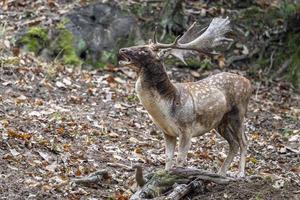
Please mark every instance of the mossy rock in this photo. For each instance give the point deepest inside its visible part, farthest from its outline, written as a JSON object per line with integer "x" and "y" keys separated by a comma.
{"x": 35, "y": 39}
{"x": 87, "y": 36}
{"x": 58, "y": 45}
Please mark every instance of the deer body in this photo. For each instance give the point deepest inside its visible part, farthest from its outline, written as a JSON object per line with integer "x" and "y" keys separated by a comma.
{"x": 186, "y": 110}
{"x": 195, "y": 106}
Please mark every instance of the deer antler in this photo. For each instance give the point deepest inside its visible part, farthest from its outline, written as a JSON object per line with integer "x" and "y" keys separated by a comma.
{"x": 192, "y": 41}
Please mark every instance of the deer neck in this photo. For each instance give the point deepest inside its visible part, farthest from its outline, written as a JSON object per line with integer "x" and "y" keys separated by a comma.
{"x": 154, "y": 81}
{"x": 157, "y": 94}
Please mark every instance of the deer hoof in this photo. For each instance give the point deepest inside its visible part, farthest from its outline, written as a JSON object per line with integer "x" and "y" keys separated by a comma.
{"x": 240, "y": 175}
{"x": 222, "y": 173}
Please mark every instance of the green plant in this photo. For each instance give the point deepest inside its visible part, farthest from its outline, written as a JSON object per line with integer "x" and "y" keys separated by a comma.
{"x": 35, "y": 39}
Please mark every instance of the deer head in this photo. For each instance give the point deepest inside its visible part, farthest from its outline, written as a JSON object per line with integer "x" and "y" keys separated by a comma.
{"x": 191, "y": 42}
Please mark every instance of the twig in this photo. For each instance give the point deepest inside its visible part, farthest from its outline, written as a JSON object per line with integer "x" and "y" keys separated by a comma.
{"x": 120, "y": 165}
{"x": 287, "y": 147}
{"x": 292, "y": 150}
{"x": 256, "y": 93}
{"x": 271, "y": 62}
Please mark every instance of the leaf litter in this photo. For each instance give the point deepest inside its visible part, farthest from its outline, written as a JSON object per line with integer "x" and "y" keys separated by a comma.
{"x": 58, "y": 124}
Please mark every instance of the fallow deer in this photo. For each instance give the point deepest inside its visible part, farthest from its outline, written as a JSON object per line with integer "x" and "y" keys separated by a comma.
{"x": 187, "y": 110}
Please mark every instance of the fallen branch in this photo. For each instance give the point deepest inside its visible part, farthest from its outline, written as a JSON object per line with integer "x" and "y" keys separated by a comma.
{"x": 283, "y": 67}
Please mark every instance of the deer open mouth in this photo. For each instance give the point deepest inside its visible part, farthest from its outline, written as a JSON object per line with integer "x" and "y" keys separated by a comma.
{"x": 124, "y": 60}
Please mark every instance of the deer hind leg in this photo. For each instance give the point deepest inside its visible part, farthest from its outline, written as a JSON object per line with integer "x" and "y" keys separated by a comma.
{"x": 236, "y": 126}
{"x": 227, "y": 132}
{"x": 242, "y": 139}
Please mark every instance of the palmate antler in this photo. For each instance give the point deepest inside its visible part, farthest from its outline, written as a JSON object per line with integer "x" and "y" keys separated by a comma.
{"x": 193, "y": 40}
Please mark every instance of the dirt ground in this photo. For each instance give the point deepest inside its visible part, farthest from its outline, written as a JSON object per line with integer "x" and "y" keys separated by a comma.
{"x": 258, "y": 189}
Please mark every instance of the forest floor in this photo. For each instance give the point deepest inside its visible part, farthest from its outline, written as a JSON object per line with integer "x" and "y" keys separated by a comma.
{"x": 59, "y": 123}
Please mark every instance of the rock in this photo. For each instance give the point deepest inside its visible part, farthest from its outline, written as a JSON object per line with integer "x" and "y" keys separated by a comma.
{"x": 100, "y": 27}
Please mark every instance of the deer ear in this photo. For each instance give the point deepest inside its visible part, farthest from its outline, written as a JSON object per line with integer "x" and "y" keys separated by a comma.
{"x": 180, "y": 54}
{"x": 177, "y": 53}
{"x": 162, "y": 54}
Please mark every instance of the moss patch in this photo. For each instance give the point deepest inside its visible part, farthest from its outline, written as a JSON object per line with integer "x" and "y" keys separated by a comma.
{"x": 35, "y": 39}
{"x": 61, "y": 44}
{"x": 65, "y": 44}
{"x": 165, "y": 178}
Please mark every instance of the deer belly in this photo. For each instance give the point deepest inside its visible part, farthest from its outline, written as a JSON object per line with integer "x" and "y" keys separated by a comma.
{"x": 199, "y": 129}
{"x": 158, "y": 114}
{"x": 157, "y": 109}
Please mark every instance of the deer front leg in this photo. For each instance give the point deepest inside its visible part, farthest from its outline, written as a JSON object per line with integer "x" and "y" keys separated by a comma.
{"x": 184, "y": 146}
{"x": 170, "y": 143}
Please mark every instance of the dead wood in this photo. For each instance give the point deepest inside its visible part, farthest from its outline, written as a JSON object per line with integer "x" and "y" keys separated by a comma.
{"x": 93, "y": 178}
{"x": 183, "y": 189}
{"x": 176, "y": 183}
{"x": 139, "y": 176}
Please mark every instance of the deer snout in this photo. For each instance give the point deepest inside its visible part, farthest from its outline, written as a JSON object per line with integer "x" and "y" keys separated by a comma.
{"x": 123, "y": 50}
{"x": 125, "y": 53}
